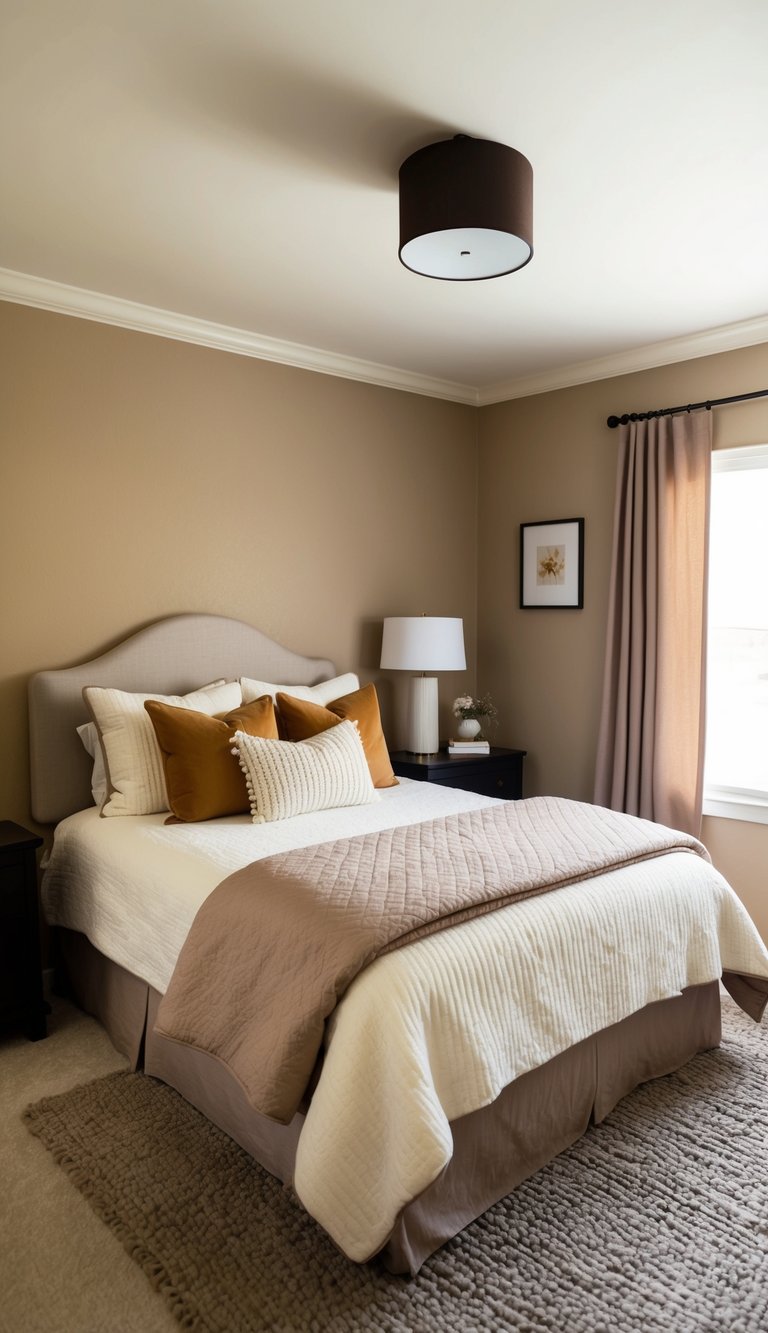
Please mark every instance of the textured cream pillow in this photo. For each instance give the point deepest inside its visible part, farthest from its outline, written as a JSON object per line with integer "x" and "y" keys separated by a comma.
{"x": 322, "y": 693}
{"x": 132, "y": 757}
{"x": 286, "y": 778}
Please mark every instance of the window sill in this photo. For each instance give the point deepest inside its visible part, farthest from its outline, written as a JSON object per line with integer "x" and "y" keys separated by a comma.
{"x": 753, "y": 809}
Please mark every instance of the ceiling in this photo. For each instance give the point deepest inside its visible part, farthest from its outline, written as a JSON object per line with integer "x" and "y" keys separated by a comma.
{"x": 235, "y": 162}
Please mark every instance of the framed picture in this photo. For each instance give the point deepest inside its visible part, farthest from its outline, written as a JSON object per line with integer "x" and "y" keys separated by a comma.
{"x": 552, "y": 563}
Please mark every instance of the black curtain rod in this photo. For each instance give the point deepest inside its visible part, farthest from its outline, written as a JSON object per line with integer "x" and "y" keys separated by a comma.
{"x": 613, "y": 422}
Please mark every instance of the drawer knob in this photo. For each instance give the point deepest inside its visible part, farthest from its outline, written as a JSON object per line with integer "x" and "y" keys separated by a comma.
{"x": 499, "y": 782}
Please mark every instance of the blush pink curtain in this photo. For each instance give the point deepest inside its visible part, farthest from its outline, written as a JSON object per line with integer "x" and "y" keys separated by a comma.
{"x": 650, "y": 756}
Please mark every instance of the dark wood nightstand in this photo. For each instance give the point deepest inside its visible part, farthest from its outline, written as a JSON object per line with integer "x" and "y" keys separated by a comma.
{"x": 499, "y": 773}
{"x": 21, "y": 979}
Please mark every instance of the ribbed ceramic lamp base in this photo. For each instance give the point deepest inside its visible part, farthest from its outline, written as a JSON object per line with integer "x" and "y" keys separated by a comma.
{"x": 423, "y": 728}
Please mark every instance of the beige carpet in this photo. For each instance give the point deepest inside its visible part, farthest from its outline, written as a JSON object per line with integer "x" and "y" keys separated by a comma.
{"x": 656, "y": 1220}
{"x": 61, "y": 1270}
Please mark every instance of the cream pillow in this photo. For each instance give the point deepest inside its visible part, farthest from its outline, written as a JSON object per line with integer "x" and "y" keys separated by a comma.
{"x": 323, "y": 693}
{"x": 90, "y": 738}
{"x": 286, "y": 778}
{"x": 132, "y": 758}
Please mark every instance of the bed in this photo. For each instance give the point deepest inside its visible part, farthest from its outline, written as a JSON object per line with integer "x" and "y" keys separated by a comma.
{"x": 453, "y": 1068}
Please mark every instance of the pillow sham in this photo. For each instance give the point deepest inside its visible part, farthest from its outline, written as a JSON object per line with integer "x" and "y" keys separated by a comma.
{"x": 322, "y": 693}
{"x": 202, "y": 777}
{"x": 90, "y": 738}
{"x": 132, "y": 759}
{"x": 320, "y": 773}
{"x": 300, "y": 720}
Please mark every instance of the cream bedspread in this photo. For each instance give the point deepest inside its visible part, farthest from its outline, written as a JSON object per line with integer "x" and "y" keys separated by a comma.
{"x": 345, "y": 902}
{"x": 435, "y": 1030}
{"x": 133, "y": 886}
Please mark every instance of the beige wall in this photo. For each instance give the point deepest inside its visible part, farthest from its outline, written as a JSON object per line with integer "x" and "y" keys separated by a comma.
{"x": 552, "y": 456}
{"x": 143, "y": 477}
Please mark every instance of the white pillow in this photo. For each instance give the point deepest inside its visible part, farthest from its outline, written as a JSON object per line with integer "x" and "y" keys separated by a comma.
{"x": 132, "y": 758}
{"x": 286, "y": 778}
{"x": 90, "y": 738}
{"x": 322, "y": 694}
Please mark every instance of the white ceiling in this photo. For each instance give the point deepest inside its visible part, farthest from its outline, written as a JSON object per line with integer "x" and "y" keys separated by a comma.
{"x": 235, "y": 162}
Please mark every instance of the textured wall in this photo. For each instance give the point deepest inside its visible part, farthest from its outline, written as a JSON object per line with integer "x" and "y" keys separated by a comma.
{"x": 143, "y": 477}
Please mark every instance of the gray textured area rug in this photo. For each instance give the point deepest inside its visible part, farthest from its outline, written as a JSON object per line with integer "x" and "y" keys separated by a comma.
{"x": 656, "y": 1220}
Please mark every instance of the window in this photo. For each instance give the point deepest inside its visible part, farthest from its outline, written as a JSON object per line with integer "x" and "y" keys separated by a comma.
{"x": 736, "y": 768}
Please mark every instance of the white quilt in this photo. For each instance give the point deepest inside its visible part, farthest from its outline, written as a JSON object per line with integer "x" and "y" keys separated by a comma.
{"x": 447, "y": 1022}
{"x": 133, "y": 885}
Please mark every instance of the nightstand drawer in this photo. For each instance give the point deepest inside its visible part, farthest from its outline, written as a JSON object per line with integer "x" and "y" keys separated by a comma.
{"x": 21, "y": 988}
{"x": 489, "y": 779}
{"x": 499, "y": 773}
{"x": 13, "y": 887}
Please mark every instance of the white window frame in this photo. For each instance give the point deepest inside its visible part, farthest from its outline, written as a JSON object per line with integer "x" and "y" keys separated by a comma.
{"x": 744, "y": 803}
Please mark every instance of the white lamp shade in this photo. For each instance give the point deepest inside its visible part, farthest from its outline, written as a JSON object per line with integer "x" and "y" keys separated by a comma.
{"x": 423, "y": 643}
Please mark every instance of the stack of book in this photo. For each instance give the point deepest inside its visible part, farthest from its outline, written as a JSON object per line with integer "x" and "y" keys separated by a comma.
{"x": 468, "y": 747}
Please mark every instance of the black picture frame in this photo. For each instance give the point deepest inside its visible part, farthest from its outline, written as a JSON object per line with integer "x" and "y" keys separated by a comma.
{"x": 552, "y": 564}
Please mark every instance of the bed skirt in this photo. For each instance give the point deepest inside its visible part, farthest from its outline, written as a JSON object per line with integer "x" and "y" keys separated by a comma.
{"x": 495, "y": 1149}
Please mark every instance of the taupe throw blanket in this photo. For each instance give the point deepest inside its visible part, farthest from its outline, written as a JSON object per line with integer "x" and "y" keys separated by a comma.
{"x": 276, "y": 944}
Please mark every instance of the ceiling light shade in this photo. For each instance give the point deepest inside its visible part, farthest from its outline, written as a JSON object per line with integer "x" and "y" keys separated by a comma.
{"x": 466, "y": 210}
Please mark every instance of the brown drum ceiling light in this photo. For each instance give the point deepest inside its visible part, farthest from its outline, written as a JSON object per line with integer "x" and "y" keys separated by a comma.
{"x": 466, "y": 210}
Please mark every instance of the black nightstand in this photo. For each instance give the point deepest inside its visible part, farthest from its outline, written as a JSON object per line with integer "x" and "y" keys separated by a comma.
{"x": 21, "y": 980}
{"x": 499, "y": 773}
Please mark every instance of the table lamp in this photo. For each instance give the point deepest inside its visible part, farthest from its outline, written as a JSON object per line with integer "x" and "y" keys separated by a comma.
{"x": 423, "y": 643}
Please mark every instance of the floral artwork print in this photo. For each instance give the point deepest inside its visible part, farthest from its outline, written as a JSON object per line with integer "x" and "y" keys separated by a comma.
{"x": 550, "y": 565}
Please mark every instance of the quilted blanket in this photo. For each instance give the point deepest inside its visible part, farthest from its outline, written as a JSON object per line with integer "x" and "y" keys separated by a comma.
{"x": 276, "y": 945}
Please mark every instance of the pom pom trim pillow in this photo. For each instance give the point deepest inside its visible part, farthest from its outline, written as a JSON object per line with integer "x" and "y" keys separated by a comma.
{"x": 299, "y": 720}
{"x": 132, "y": 757}
{"x": 286, "y": 779}
{"x": 202, "y": 776}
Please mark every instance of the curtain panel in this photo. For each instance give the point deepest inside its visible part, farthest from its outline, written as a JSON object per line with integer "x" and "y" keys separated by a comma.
{"x": 650, "y": 759}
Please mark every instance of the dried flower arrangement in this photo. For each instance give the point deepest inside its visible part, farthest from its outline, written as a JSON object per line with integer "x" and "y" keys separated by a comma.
{"x": 482, "y": 708}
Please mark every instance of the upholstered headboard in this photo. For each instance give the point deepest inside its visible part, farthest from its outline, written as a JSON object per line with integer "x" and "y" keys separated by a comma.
{"x": 172, "y": 656}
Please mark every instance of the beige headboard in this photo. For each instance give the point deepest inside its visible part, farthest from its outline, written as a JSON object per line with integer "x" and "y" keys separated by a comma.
{"x": 172, "y": 656}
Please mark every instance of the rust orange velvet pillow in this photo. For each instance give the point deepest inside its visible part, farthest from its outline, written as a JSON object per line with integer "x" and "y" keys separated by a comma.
{"x": 299, "y": 720}
{"x": 202, "y": 776}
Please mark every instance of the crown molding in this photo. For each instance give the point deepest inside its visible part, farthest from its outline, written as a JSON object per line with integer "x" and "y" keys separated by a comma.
{"x": 727, "y": 338}
{"x": 25, "y": 289}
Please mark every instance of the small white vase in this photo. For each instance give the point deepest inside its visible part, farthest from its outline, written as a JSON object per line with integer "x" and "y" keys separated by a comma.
{"x": 468, "y": 729}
